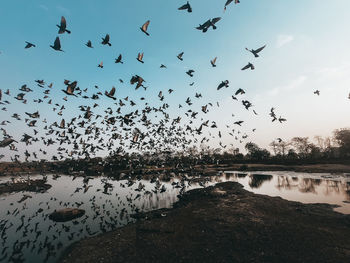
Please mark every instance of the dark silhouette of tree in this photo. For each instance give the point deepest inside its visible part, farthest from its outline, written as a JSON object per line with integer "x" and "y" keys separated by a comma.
{"x": 342, "y": 138}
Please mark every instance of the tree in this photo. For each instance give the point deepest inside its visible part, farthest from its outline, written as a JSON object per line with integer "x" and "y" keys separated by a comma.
{"x": 255, "y": 152}
{"x": 301, "y": 145}
{"x": 342, "y": 138}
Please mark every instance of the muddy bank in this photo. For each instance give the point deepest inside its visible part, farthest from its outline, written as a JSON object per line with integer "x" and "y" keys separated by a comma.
{"x": 224, "y": 223}
{"x": 30, "y": 186}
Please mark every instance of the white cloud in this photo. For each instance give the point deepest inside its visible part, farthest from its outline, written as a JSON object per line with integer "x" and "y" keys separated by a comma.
{"x": 44, "y": 7}
{"x": 284, "y": 40}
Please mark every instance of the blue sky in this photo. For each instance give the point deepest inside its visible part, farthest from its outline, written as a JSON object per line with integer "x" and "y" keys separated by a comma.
{"x": 307, "y": 49}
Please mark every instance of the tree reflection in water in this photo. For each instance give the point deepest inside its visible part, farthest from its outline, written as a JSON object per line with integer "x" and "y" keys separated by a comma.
{"x": 256, "y": 180}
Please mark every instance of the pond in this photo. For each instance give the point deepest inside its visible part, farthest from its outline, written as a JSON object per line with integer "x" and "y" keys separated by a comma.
{"x": 28, "y": 235}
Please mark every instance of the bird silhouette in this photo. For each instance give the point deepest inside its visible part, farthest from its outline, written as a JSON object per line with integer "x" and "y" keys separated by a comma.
{"x": 187, "y": 7}
{"x": 57, "y": 44}
{"x": 145, "y": 27}
{"x": 63, "y": 26}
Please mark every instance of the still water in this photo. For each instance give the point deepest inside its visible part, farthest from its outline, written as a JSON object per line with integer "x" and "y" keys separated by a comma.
{"x": 28, "y": 235}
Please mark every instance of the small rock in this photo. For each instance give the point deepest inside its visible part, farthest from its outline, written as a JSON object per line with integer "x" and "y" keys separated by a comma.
{"x": 66, "y": 214}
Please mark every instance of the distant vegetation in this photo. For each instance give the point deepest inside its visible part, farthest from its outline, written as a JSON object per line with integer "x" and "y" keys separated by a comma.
{"x": 298, "y": 150}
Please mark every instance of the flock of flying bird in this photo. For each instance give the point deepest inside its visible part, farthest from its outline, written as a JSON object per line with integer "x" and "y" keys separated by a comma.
{"x": 114, "y": 131}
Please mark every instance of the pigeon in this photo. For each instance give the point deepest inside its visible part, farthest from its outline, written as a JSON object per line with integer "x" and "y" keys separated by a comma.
{"x": 212, "y": 62}
{"x": 249, "y": 65}
{"x": 89, "y": 44}
{"x": 63, "y": 26}
{"x": 119, "y": 59}
{"x": 209, "y": 23}
{"x": 105, "y": 40}
{"x": 223, "y": 84}
{"x": 140, "y": 57}
{"x": 187, "y": 7}
{"x": 57, "y": 45}
{"x": 180, "y": 56}
{"x": 100, "y": 65}
{"x": 256, "y": 51}
{"x": 190, "y": 72}
{"x": 145, "y": 27}
{"x": 29, "y": 45}
{"x": 111, "y": 93}
{"x": 70, "y": 88}
{"x": 317, "y": 92}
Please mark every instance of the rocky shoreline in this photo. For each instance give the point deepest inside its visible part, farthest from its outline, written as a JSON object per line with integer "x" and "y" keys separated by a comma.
{"x": 224, "y": 223}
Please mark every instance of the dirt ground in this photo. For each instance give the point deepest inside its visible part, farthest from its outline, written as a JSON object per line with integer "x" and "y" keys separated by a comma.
{"x": 224, "y": 223}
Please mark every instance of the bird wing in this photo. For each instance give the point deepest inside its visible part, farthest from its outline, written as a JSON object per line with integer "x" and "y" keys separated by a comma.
{"x": 215, "y": 20}
{"x": 246, "y": 67}
{"x": 259, "y": 49}
{"x": 107, "y": 38}
{"x": 63, "y": 22}
{"x": 184, "y": 7}
{"x": 145, "y": 25}
{"x": 57, "y": 43}
{"x": 228, "y": 2}
{"x": 214, "y": 60}
{"x": 111, "y": 93}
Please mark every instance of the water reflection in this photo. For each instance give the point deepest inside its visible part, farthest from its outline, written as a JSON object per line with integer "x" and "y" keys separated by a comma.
{"x": 28, "y": 235}
{"x": 256, "y": 180}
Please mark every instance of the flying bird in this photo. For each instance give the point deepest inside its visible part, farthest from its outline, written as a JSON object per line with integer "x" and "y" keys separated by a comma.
{"x": 187, "y": 7}
{"x": 190, "y": 72}
{"x": 63, "y": 26}
{"x": 249, "y": 65}
{"x": 105, "y": 40}
{"x": 209, "y": 23}
{"x": 29, "y": 45}
{"x": 100, "y": 65}
{"x": 140, "y": 57}
{"x": 89, "y": 44}
{"x": 212, "y": 62}
{"x": 111, "y": 93}
{"x": 317, "y": 92}
{"x": 256, "y": 51}
{"x": 145, "y": 27}
{"x": 119, "y": 59}
{"x": 57, "y": 45}
{"x": 223, "y": 84}
{"x": 70, "y": 88}
{"x": 180, "y": 56}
